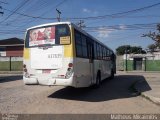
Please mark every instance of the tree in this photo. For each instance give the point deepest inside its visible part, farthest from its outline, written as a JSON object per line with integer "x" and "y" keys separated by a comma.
{"x": 154, "y": 36}
{"x": 152, "y": 47}
{"x": 121, "y": 50}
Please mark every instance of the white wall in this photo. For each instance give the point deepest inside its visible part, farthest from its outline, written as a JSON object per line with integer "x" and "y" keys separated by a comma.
{"x": 149, "y": 56}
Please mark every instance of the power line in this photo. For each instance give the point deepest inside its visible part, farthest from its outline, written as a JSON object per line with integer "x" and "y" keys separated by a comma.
{"x": 34, "y": 19}
{"x": 101, "y": 28}
{"x": 13, "y": 12}
{"x": 81, "y": 24}
{"x": 38, "y": 17}
{"x": 115, "y": 15}
{"x": 3, "y": 2}
{"x": 122, "y": 27}
{"x": 33, "y": 7}
{"x": 30, "y": 16}
{"x": 60, "y": 3}
{"x": 120, "y": 13}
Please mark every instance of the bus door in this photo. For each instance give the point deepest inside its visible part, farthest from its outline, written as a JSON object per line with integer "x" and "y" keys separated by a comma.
{"x": 91, "y": 60}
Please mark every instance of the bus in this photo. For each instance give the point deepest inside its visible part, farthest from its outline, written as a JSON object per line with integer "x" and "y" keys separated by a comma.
{"x": 63, "y": 54}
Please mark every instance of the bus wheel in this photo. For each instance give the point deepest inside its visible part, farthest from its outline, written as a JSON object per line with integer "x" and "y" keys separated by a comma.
{"x": 112, "y": 74}
{"x": 98, "y": 80}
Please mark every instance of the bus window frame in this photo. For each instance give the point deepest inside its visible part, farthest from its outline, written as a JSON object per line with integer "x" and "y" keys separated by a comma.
{"x": 48, "y": 45}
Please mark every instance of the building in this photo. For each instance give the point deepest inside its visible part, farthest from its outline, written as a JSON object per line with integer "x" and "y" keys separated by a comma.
{"x": 11, "y": 54}
{"x": 11, "y": 47}
{"x": 142, "y": 62}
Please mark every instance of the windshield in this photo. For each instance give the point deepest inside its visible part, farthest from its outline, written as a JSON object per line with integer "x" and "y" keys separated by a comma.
{"x": 48, "y": 35}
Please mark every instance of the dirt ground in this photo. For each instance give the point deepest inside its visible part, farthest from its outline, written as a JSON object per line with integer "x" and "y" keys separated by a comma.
{"x": 113, "y": 96}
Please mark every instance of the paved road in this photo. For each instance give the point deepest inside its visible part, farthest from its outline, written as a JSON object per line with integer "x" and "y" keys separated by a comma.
{"x": 113, "y": 96}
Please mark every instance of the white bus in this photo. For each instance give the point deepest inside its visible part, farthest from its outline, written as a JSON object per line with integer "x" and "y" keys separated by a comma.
{"x": 63, "y": 54}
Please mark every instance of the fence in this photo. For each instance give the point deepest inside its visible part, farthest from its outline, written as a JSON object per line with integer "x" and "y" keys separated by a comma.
{"x": 11, "y": 63}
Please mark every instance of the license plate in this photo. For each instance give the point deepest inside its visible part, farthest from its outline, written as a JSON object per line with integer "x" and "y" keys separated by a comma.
{"x": 46, "y": 71}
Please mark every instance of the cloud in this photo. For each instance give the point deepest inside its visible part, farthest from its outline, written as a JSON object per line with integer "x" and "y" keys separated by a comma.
{"x": 122, "y": 27}
{"x": 104, "y": 33}
{"x": 85, "y": 10}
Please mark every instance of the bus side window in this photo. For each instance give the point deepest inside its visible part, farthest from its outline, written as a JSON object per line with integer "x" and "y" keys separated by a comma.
{"x": 95, "y": 50}
{"x": 104, "y": 51}
{"x": 84, "y": 46}
{"x": 107, "y": 52}
{"x": 78, "y": 44}
{"x": 100, "y": 50}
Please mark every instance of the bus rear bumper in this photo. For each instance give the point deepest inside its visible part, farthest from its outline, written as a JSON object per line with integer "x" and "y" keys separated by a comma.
{"x": 30, "y": 81}
{"x": 50, "y": 81}
{"x": 61, "y": 82}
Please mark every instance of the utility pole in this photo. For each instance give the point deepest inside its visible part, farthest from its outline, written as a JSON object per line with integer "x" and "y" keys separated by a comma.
{"x": 58, "y": 15}
{"x": 1, "y": 10}
{"x": 1, "y": 2}
{"x": 81, "y": 24}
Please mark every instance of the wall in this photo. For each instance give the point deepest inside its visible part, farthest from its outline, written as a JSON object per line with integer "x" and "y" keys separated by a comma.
{"x": 14, "y": 51}
{"x": 152, "y": 65}
{"x": 151, "y": 62}
{"x": 119, "y": 63}
{"x": 11, "y": 63}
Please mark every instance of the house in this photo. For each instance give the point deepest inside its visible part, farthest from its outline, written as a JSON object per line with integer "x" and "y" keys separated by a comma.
{"x": 11, "y": 54}
{"x": 11, "y": 47}
{"x": 142, "y": 62}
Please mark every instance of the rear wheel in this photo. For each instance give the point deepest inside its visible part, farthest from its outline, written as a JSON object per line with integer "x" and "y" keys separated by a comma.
{"x": 112, "y": 74}
{"x": 98, "y": 80}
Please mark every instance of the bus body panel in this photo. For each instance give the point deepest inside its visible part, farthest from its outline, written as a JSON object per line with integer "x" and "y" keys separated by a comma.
{"x": 82, "y": 72}
{"x": 40, "y": 76}
{"x": 54, "y": 71}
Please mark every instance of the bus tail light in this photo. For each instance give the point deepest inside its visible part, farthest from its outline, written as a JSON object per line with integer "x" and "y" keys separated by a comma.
{"x": 69, "y": 71}
{"x": 70, "y": 65}
{"x": 26, "y": 74}
{"x": 24, "y": 68}
{"x": 61, "y": 76}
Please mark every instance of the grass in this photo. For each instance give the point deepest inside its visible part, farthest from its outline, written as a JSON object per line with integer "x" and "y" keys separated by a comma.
{"x": 15, "y": 66}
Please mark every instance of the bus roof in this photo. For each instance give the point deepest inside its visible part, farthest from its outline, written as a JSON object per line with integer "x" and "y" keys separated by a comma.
{"x": 75, "y": 26}
{"x": 48, "y": 24}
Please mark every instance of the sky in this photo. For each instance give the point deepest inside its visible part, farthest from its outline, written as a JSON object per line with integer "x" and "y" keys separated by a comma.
{"x": 113, "y": 22}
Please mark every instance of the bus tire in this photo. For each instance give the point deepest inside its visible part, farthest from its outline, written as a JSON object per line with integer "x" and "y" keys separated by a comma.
{"x": 98, "y": 80}
{"x": 112, "y": 74}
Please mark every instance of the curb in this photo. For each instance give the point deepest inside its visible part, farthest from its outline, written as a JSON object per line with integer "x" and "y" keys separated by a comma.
{"x": 146, "y": 96}
{"x": 151, "y": 98}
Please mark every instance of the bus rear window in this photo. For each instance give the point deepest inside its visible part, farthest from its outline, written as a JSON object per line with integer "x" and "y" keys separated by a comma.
{"x": 48, "y": 35}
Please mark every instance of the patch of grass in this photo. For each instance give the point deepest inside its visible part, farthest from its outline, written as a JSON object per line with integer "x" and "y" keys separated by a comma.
{"x": 4, "y": 66}
{"x": 15, "y": 65}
